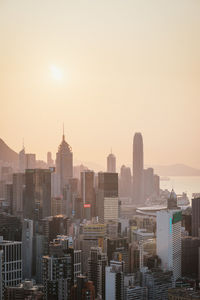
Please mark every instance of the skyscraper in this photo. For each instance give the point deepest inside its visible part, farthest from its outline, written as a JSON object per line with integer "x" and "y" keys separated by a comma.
{"x": 87, "y": 190}
{"x": 96, "y": 270}
{"x": 22, "y": 160}
{"x": 12, "y": 262}
{"x": 18, "y": 193}
{"x": 27, "y": 248}
{"x": 138, "y": 164}
{"x": 125, "y": 182}
{"x": 107, "y": 190}
{"x": 196, "y": 217}
{"x": 111, "y": 163}
{"x": 169, "y": 237}
{"x": 37, "y": 202}
{"x": 64, "y": 164}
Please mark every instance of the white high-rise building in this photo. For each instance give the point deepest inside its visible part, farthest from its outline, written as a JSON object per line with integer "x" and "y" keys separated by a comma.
{"x": 115, "y": 280}
{"x": 11, "y": 263}
{"x": 169, "y": 240}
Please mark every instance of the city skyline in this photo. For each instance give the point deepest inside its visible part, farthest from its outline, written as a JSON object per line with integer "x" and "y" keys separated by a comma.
{"x": 107, "y": 70}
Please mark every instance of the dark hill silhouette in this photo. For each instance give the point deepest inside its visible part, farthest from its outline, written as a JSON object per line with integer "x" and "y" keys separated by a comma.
{"x": 7, "y": 154}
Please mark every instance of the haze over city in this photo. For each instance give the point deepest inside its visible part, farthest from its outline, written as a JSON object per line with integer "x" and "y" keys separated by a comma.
{"x": 106, "y": 69}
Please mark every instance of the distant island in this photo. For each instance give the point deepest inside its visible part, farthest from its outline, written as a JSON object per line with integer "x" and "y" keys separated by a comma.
{"x": 176, "y": 170}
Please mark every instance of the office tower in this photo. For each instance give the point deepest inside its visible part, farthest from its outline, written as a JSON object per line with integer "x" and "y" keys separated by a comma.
{"x": 30, "y": 161}
{"x": 190, "y": 256}
{"x": 96, "y": 270}
{"x": 26, "y": 290}
{"x": 18, "y": 193}
{"x": 12, "y": 263}
{"x": 22, "y": 160}
{"x": 1, "y": 272}
{"x": 148, "y": 182}
{"x": 50, "y": 162}
{"x": 87, "y": 190}
{"x": 156, "y": 180}
{"x": 138, "y": 165}
{"x": 10, "y": 227}
{"x": 27, "y": 248}
{"x": 83, "y": 290}
{"x": 196, "y": 217}
{"x": 107, "y": 189}
{"x": 64, "y": 164}
{"x": 125, "y": 182}
{"x": 37, "y": 202}
{"x": 111, "y": 163}
{"x": 111, "y": 209}
{"x": 115, "y": 281}
{"x": 169, "y": 238}
{"x": 158, "y": 282}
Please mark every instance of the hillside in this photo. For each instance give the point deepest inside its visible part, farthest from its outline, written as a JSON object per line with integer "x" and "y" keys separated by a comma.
{"x": 7, "y": 154}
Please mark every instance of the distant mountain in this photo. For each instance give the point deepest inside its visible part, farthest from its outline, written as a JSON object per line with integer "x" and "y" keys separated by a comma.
{"x": 176, "y": 170}
{"x": 7, "y": 154}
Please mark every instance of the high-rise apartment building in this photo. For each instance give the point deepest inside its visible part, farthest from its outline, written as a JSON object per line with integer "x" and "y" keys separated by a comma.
{"x": 58, "y": 271}
{"x": 64, "y": 164}
{"x": 37, "y": 204}
{"x": 96, "y": 270}
{"x": 169, "y": 239}
{"x": 111, "y": 163}
{"x": 22, "y": 160}
{"x": 138, "y": 165}
{"x": 115, "y": 281}
{"x": 12, "y": 263}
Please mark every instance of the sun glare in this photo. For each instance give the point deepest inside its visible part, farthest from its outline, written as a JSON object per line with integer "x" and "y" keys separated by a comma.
{"x": 56, "y": 73}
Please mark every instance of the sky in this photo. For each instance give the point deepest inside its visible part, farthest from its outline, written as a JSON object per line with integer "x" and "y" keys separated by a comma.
{"x": 107, "y": 69}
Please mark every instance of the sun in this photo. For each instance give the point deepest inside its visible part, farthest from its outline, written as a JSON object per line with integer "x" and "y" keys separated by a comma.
{"x": 56, "y": 73}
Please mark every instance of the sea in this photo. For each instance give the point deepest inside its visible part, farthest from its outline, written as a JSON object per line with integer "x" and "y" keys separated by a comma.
{"x": 182, "y": 184}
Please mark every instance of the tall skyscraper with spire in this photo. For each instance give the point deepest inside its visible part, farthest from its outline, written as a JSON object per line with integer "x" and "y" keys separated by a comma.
{"x": 111, "y": 163}
{"x": 138, "y": 165}
{"x": 64, "y": 163}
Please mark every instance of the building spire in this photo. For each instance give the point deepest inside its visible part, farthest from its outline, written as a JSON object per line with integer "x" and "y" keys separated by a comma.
{"x": 63, "y": 131}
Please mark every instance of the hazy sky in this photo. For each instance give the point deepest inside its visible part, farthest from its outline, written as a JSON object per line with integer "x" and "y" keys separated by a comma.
{"x": 106, "y": 68}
